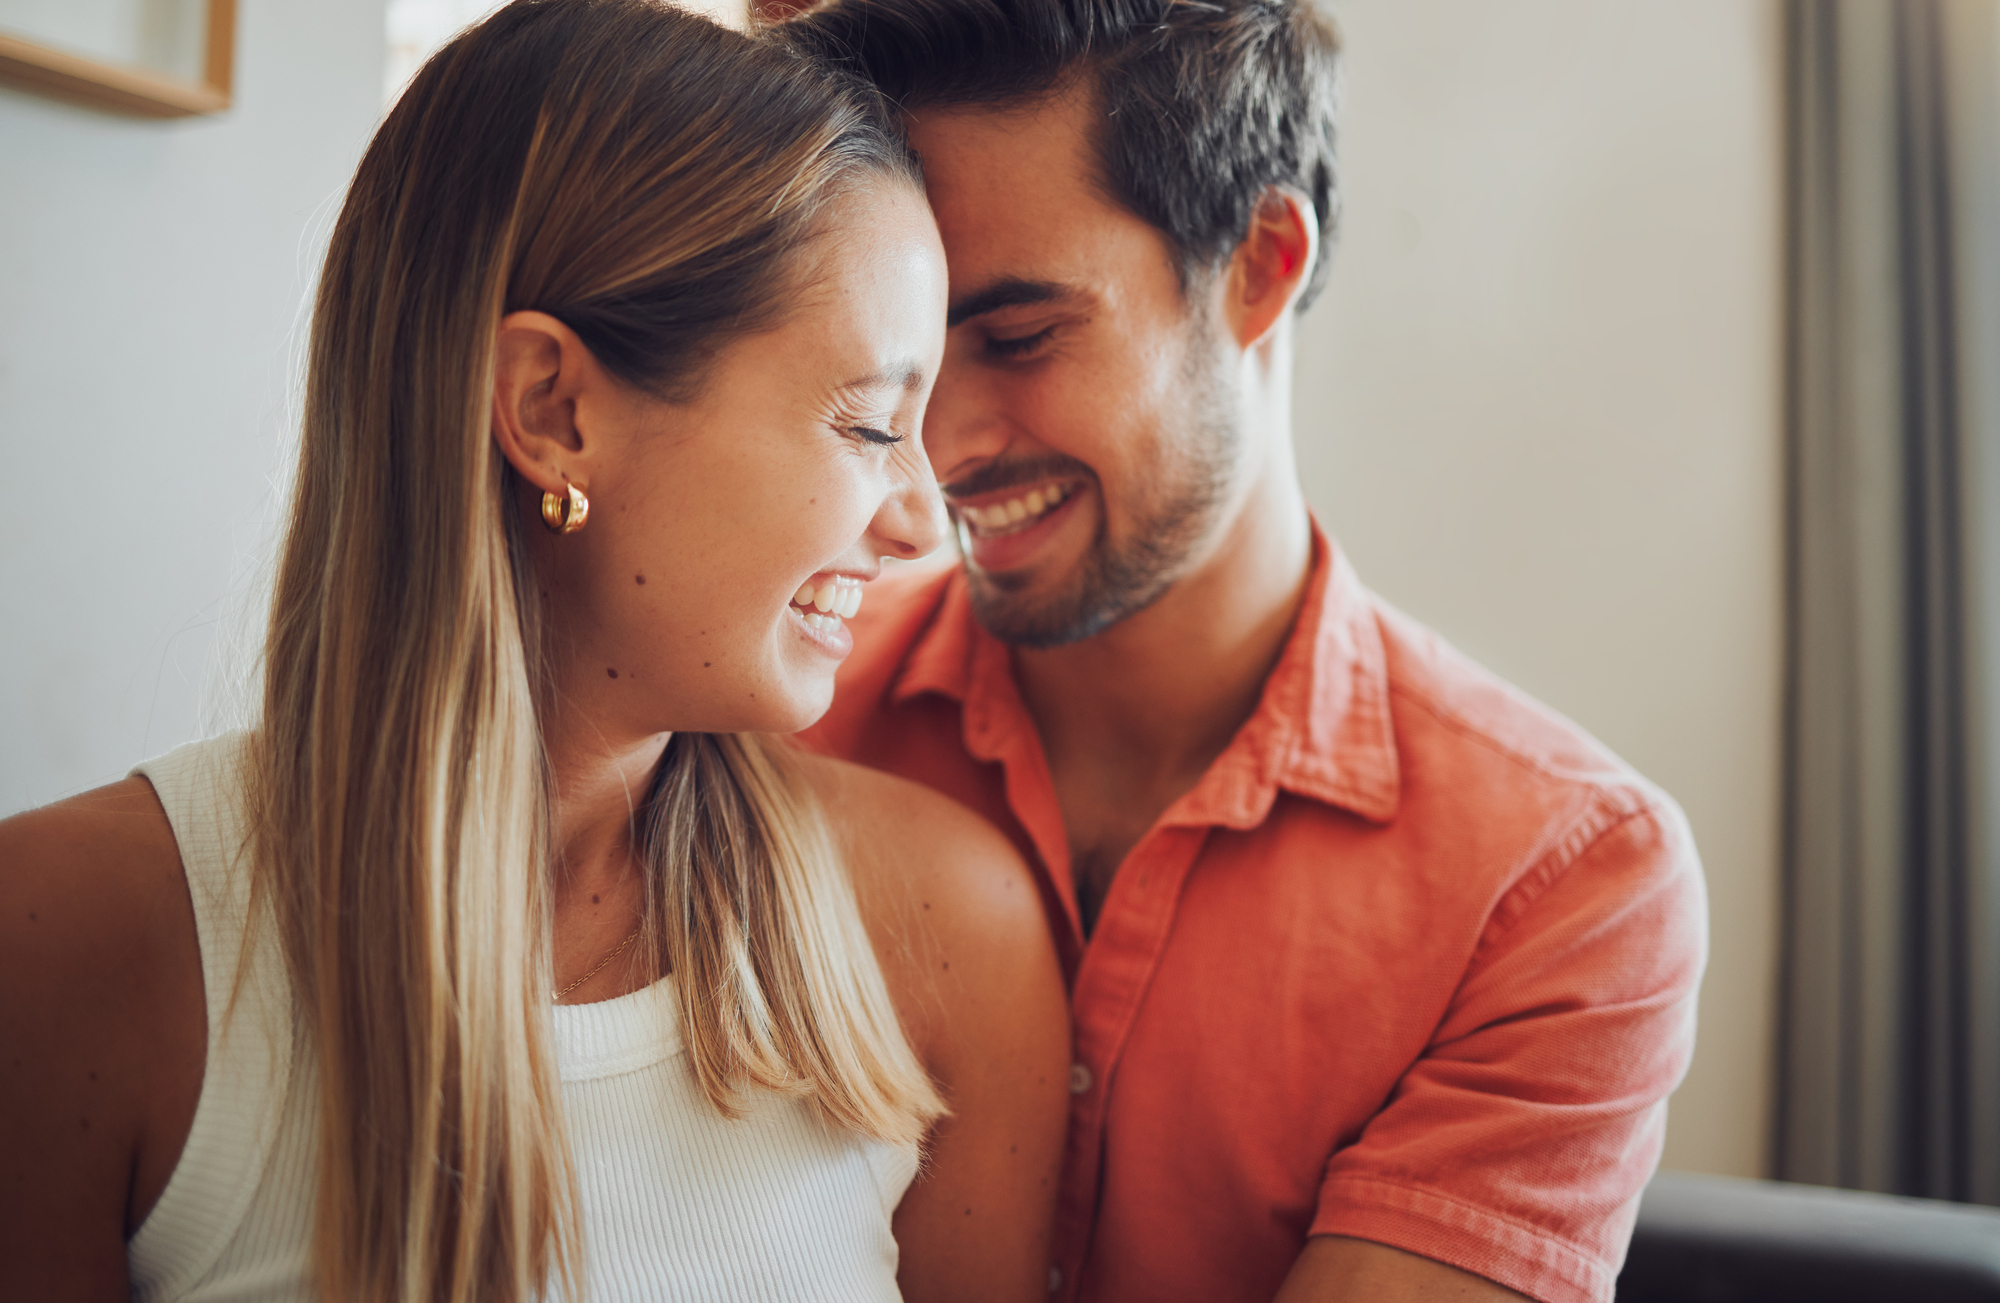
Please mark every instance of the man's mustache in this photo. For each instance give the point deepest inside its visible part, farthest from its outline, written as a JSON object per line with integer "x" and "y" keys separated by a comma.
{"x": 995, "y": 476}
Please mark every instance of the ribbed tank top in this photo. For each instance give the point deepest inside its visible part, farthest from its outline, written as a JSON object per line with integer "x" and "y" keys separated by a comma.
{"x": 678, "y": 1202}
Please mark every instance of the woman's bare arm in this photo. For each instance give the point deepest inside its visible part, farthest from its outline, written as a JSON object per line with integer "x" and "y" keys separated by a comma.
{"x": 104, "y": 1035}
{"x": 967, "y": 954}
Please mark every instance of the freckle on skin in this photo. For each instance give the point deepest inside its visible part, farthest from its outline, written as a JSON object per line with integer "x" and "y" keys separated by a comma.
{"x": 613, "y": 673}
{"x": 33, "y": 917}
{"x": 704, "y": 664}
{"x": 593, "y": 898}
{"x": 639, "y": 579}
{"x": 947, "y": 967}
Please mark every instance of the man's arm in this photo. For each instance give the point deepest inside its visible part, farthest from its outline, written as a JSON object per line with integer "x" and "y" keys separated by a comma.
{"x": 1336, "y": 1269}
{"x": 1517, "y": 1145}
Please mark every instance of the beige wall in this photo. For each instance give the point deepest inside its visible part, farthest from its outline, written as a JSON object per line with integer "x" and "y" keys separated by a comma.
{"x": 154, "y": 275}
{"x": 1540, "y": 406}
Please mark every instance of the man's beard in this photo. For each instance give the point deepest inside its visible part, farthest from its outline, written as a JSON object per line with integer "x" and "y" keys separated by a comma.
{"x": 1171, "y": 512}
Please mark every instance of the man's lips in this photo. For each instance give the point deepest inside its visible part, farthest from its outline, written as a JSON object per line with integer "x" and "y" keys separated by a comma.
{"x": 1015, "y": 508}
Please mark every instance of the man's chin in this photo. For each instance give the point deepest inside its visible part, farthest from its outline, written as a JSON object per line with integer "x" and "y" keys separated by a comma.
{"x": 1021, "y": 612}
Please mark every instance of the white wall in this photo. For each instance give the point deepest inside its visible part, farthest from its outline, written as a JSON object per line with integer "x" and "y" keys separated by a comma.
{"x": 1540, "y": 405}
{"x": 152, "y": 276}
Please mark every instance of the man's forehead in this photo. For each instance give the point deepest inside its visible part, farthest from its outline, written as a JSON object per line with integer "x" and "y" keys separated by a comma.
{"x": 1001, "y": 162}
{"x": 1017, "y": 194}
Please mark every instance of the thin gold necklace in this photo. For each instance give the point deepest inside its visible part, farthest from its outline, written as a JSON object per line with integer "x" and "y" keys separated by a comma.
{"x": 600, "y": 966}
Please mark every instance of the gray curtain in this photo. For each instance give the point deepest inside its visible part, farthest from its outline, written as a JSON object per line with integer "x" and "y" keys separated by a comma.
{"x": 1889, "y": 1057}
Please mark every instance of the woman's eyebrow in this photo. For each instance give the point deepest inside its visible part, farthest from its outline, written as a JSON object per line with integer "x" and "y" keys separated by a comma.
{"x": 907, "y": 374}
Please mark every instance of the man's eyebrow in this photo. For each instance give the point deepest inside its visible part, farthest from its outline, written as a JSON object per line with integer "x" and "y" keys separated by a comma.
{"x": 907, "y": 374}
{"x": 1002, "y": 294}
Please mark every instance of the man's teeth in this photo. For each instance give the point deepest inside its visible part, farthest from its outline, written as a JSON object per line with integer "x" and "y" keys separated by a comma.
{"x": 826, "y": 604}
{"x": 1000, "y": 515}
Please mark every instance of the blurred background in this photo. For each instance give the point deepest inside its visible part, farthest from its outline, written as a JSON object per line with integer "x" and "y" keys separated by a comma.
{"x": 1557, "y": 403}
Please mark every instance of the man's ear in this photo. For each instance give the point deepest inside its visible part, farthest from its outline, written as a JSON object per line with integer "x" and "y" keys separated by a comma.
{"x": 541, "y": 375}
{"x": 1272, "y": 265}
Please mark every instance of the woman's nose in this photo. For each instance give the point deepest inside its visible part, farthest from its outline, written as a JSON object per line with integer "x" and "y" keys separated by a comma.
{"x": 911, "y": 522}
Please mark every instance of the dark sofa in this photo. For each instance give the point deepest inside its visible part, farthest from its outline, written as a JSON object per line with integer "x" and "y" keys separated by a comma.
{"x": 1711, "y": 1239}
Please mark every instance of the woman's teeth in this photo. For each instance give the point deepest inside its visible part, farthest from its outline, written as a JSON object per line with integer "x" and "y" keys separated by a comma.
{"x": 1004, "y": 517}
{"x": 823, "y": 605}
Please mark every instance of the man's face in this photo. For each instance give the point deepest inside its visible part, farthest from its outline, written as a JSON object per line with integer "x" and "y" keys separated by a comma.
{"x": 1082, "y": 428}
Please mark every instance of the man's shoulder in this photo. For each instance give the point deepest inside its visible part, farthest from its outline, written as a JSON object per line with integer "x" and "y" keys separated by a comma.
{"x": 1461, "y": 729}
{"x": 900, "y": 604}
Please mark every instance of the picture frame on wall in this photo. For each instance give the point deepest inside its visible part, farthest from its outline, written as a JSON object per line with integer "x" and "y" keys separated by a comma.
{"x": 149, "y": 58}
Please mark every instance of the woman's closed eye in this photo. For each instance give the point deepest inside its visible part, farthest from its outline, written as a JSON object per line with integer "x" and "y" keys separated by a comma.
{"x": 874, "y": 435}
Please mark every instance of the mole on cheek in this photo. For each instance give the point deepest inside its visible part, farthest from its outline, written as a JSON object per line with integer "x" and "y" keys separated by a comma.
{"x": 639, "y": 579}
{"x": 705, "y": 664}
{"x": 613, "y": 673}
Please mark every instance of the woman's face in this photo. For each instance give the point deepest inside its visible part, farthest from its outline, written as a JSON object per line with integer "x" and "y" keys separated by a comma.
{"x": 794, "y": 472}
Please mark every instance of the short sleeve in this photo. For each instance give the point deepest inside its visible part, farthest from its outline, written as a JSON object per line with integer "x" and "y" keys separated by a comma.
{"x": 1516, "y": 1147}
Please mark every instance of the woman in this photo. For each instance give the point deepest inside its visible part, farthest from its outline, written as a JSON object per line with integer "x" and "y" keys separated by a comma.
{"x": 612, "y": 411}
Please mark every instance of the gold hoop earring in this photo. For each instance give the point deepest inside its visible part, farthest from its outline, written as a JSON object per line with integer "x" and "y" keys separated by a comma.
{"x": 565, "y": 514}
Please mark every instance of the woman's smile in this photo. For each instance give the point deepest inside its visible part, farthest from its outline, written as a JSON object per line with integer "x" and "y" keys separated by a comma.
{"x": 821, "y": 608}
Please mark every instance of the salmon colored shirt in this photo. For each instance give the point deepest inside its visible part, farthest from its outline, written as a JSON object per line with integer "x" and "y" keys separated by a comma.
{"x": 1415, "y": 961}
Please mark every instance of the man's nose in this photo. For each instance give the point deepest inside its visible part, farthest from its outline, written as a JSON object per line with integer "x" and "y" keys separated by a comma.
{"x": 965, "y": 424}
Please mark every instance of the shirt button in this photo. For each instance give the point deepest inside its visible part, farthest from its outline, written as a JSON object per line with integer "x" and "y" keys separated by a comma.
{"x": 1079, "y": 1079}
{"x": 1055, "y": 1279}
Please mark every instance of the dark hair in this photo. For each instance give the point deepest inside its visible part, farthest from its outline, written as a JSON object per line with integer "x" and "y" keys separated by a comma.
{"x": 1204, "y": 103}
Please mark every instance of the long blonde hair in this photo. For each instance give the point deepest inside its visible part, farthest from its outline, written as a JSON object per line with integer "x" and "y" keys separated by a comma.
{"x": 648, "y": 178}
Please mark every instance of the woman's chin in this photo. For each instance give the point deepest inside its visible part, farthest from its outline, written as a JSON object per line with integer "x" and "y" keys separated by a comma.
{"x": 786, "y": 702}
{"x": 805, "y": 706}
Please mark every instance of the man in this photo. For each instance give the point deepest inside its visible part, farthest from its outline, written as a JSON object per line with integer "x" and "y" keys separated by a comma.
{"x": 1380, "y": 972}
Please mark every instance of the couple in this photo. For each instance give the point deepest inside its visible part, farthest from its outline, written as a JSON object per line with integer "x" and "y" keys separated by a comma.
{"x": 510, "y": 956}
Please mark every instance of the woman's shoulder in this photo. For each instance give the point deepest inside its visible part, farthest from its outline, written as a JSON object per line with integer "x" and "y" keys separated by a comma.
{"x": 102, "y": 1005}
{"x": 954, "y": 910}
{"x": 904, "y": 839}
{"x": 91, "y": 880}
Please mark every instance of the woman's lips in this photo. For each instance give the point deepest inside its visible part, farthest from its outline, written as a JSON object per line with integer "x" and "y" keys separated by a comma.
{"x": 821, "y": 609}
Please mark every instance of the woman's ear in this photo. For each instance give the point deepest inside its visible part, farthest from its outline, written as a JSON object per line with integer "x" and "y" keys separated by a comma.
{"x": 1271, "y": 266}
{"x": 542, "y": 377}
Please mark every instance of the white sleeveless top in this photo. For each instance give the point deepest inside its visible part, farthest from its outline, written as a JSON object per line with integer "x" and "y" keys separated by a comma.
{"x": 678, "y": 1202}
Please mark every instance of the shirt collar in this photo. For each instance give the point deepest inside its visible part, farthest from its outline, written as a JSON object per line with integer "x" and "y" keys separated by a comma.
{"x": 1323, "y": 728}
